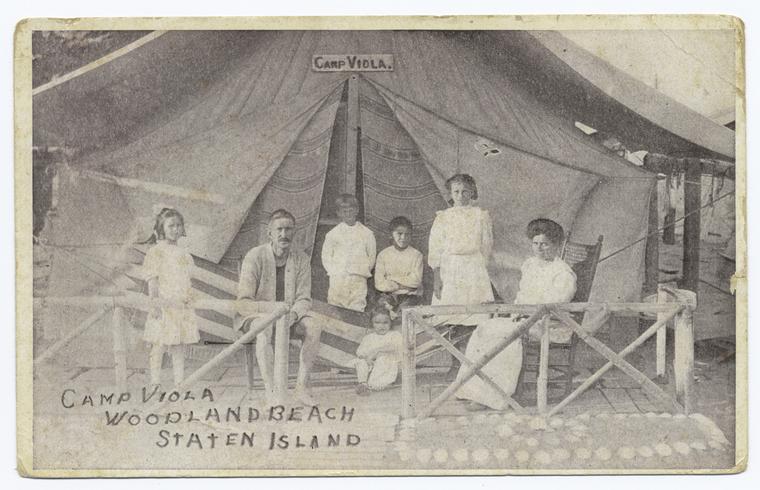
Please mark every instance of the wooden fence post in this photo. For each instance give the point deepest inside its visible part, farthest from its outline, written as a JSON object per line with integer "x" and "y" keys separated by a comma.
{"x": 250, "y": 363}
{"x": 542, "y": 381}
{"x": 119, "y": 348}
{"x": 281, "y": 347}
{"x": 662, "y": 297}
{"x": 408, "y": 373}
{"x": 684, "y": 357}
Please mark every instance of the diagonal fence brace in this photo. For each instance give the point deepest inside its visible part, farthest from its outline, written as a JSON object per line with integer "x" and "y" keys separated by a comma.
{"x": 451, "y": 348}
{"x": 471, "y": 370}
{"x": 600, "y": 372}
{"x": 646, "y": 383}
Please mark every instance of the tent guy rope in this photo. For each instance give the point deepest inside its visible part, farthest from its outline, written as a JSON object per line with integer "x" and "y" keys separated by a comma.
{"x": 663, "y": 227}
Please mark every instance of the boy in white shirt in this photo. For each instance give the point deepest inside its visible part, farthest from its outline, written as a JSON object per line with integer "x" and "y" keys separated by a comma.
{"x": 398, "y": 271}
{"x": 348, "y": 256}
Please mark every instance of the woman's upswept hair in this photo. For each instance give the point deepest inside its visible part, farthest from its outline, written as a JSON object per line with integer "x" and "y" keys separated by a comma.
{"x": 551, "y": 229}
{"x": 466, "y": 180}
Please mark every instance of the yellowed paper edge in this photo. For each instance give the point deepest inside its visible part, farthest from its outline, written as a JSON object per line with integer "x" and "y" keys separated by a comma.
{"x": 23, "y": 203}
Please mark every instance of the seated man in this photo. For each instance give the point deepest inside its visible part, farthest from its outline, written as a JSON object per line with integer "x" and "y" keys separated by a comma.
{"x": 274, "y": 272}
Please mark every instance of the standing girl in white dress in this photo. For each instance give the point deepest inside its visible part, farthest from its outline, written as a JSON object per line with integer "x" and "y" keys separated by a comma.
{"x": 167, "y": 268}
{"x": 546, "y": 278}
{"x": 460, "y": 247}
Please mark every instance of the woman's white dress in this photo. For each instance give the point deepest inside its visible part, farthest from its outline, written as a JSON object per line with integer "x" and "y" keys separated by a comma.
{"x": 541, "y": 282}
{"x": 171, "y": 265}
{"x": 461, "y": 240}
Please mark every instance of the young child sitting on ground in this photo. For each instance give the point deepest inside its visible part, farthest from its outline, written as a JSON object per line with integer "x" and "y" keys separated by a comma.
{"x": 398, "y": 271}
{"x": 378, "y": 355}
{"x": 348, "y": 256}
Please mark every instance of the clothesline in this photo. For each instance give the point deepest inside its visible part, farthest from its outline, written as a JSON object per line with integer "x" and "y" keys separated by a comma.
{"x": 657, "y": 232}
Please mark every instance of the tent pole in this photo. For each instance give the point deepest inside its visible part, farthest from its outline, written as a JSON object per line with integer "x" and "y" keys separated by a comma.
{"x": 352, "y": 129}
{"x": 691, "y": 227}
{"x": 652, "y": 250}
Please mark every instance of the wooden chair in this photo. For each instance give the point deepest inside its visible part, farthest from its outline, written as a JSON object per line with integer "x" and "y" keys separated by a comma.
{"x": 583, "y": 258}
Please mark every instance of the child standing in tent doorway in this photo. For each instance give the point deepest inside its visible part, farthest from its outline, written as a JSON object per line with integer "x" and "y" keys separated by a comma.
{"x": 398, "y": 271}
{"x": 167, "y": 269}
{"x": 378, "y": 355}
{"x": 348, "y": 256}
{"x": 460, "y": 247}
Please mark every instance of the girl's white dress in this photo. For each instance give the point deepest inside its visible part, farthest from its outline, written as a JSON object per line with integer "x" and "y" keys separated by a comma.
{"x": 542, "y": 282}
{"x": 383, "y": 354}
{"x": 171, "y": 265}
{"x": 461, "y": 240}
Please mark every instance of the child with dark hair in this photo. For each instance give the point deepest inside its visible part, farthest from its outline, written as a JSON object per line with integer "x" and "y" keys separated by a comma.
{"x": 167, "y": 268}
{"x": 398, "y": 270}
{"x": 378, "y": 355}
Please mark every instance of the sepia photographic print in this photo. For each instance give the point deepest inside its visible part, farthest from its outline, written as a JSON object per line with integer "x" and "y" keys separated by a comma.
{"x": 389, "y": 246}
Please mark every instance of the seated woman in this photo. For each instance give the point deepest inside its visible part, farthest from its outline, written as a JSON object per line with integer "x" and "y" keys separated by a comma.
{"x": 545, "y": 279}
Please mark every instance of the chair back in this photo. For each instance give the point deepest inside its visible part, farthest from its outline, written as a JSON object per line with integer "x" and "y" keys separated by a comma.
{"x": 583, "y": 259}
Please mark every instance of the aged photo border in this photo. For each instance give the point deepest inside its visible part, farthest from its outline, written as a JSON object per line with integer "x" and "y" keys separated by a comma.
{"x": 23, "y": 185}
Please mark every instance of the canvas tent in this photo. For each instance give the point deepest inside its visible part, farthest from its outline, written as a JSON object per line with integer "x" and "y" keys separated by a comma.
{"x": 228, "y": 126}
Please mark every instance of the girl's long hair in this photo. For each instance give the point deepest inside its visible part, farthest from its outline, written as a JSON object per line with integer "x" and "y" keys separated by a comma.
{"x": 158, "y": 226}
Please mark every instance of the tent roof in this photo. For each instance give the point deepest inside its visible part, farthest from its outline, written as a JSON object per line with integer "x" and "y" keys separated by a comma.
{"x": 696, "y": 67}
{"x": 132, "y": 95}
{"x": 588, "y": 89}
